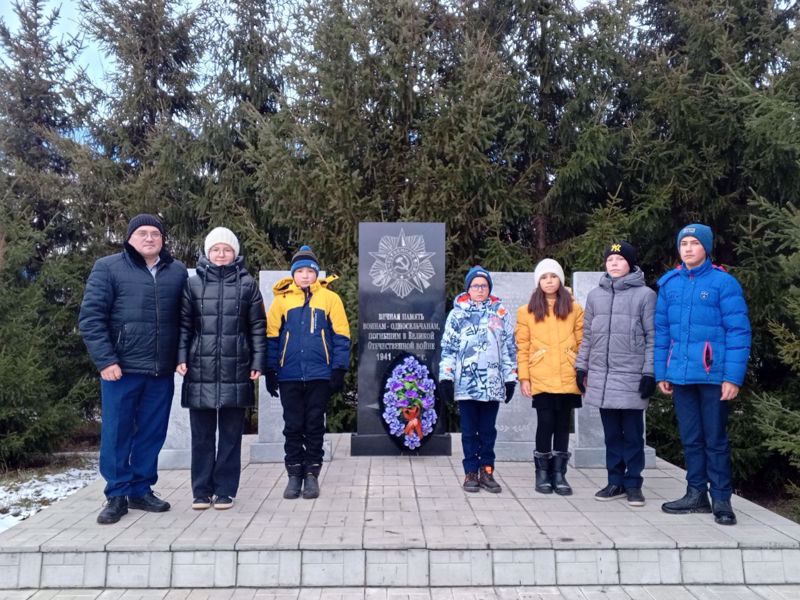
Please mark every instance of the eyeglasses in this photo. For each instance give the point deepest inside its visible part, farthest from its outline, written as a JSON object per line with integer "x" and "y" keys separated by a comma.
{"x": 479, "y": 286}
{"x": 143, "y": 235}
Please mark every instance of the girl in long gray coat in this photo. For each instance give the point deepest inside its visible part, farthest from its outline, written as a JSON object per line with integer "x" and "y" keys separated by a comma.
{"x": 615, "y": 367}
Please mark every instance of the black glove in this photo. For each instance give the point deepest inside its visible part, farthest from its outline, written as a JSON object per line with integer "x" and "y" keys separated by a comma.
{"x": 510, "y": 387}
{"x": 580, "y": 378}
{"x": 337, "y": 380}
{"x": 647, "y": 386}
{"x": 272, "y": 383}
{"x": 447, "y": 390}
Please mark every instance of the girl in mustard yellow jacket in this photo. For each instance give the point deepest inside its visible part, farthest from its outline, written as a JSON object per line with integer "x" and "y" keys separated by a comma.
{"x": 549, "y": 332}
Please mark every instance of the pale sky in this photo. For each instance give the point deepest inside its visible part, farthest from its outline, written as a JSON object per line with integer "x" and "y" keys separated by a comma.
{"x": 91, "y": 58}
{"x": 68, "y": 24}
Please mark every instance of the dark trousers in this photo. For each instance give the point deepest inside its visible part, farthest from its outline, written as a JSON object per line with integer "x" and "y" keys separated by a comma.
{"x": 478, "y": 433}
{"x": 703, "y": 423}
{"x": 133, "y": 429}
{"x": 216, "y": 461}
{"x": 552, "y": 429}
{"x": 304, "y": 404}
{"x": 624, "y": 436}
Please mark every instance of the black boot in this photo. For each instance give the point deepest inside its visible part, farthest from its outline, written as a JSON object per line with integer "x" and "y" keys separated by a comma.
{"x": 541, "y": 461}
{"x": 295, "y": 484}
{"x": 311, "y": 482}
{"x": 149, "y": 502}
{"x": 723, "y": 512}
{"x": 558, "y": 468}
{"x": 115, "y": 507}
{"x": 694, "y": 501}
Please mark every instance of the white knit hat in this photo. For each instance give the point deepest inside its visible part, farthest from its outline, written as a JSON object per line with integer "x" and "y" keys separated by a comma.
{"x": 548, "y": 265}
{"x": 221, "y": 235}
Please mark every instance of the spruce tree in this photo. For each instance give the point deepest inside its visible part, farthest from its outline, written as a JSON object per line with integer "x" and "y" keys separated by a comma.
{"x": 144, "y": 128}
{"x": 246, "y": 85}
{"x": 708, "y": 83}
{"x": 40, "y": 368}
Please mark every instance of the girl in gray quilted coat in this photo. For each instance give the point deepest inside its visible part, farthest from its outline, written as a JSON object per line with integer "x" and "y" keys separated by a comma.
{"x": 615, "y": 367}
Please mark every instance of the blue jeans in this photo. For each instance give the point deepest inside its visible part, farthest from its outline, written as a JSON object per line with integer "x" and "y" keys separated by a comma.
{"x": 624, "y": 436}
{"x": 703, "y": 423}
{"x": 133, "y": 429}
{"x": 478, "y": 433}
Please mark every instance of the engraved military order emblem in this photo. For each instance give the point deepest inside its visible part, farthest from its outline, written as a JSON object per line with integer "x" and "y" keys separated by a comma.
{"x": 401, "y": 264}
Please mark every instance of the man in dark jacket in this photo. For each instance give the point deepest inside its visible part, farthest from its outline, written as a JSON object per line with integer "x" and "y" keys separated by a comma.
{"x": 129, "y": 323}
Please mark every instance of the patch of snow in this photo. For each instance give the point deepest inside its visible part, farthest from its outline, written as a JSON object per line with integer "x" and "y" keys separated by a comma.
{"x": 20, "y": 500}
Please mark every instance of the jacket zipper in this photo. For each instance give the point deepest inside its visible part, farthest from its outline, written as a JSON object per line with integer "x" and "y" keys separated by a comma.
{"x": 158, "y": 318}
{"x": 306, "y": 305}
{"x": 689, "y": 320}
{"x": 608, "y": 344}
{"x": 219, "y": 341}
{"x": 285, "y": 346}
{"x": 325, "y": 347}
{"x": 671, "y": 348}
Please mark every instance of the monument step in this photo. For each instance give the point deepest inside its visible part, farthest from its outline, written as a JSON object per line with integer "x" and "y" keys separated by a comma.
{"x": 638, "y": 592}
{"x": 399, "y": 522}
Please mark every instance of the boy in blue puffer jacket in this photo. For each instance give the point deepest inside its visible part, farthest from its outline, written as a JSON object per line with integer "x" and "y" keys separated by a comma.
{"x": 702, "y": 347}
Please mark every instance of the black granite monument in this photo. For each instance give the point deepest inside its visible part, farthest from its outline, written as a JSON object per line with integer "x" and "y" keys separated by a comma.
{"x": 401, "y": 307}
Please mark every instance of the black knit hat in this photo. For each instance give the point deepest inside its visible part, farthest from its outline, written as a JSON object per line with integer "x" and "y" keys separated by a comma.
{"x": 625, "y": 250}
{"x": 305, "y": 257}
{"x": 143, "y": 220}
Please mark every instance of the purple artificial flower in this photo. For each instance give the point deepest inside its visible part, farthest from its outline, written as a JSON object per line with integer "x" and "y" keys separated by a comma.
{"x": 409, "y": 385}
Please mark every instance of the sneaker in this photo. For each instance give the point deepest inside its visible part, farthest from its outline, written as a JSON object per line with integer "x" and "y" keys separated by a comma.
{"x": 487, "y": 482}
{"x": 610, "y": 492}
{"x": 471, "y": 483}
{"x": 201, "y": 503}
{"x": 149, "y": 502}
{"x": 115, "y": 507}
{"x": 635, "y": 496}
{"x": 223, "y": 502}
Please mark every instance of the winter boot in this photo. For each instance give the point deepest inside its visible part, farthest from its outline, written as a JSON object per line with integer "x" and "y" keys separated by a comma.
{"x": 541, "y": 461}
{"x": 115, "y": 507}
{"x": 295, "y": 484}
{"x": 723, "y": 512}
{"x": 311, "y": 482}
{"x": 471, "y": 483}
{"x": 486, "y": 480}
{"x": 558, "y": 468}
{"x": 694, "y": 501}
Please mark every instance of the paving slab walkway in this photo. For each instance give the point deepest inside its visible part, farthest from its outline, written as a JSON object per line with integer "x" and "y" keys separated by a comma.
{"x": 399, "y": 522}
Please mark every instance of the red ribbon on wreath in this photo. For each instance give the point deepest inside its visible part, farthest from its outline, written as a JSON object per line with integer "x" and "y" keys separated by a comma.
{"x": 413, "y": 423}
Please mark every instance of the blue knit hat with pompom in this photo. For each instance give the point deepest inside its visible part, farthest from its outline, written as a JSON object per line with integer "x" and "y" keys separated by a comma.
{"x": 305, "y": 257}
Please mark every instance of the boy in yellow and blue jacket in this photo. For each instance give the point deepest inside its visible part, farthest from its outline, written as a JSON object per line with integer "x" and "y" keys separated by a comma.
{"x": 308, "y": 354}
